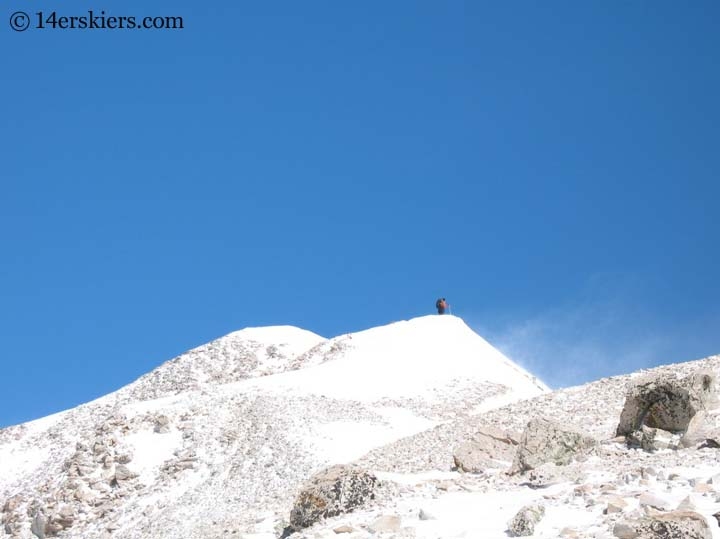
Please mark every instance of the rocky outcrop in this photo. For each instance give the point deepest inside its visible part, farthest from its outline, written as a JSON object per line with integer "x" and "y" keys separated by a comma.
{"x": 92, "y": 481}
{"x": 489, "y": 448}
{"x": 667, "y": 405}
{"x": 339, "y": 489}
{"x": 674, "y": 525}
{"x": 546, "y": 441}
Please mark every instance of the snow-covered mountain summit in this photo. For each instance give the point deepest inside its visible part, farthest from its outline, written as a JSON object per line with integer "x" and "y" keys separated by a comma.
{"x": 398, "y": 359}
{"x": 229, "y": 430}
{"x": 407, "y": 359}
{"x": 458, "y": 440}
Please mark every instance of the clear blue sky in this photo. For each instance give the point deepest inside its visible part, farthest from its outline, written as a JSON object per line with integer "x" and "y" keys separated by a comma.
{"x": 550, "y": 168}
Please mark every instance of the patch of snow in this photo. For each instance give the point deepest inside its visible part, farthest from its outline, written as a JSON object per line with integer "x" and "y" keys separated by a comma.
{"x": 478, "y": 514}
{"x": 345, "y": 441}
{"x": 17, "y": 461}
{"x": 151, "y": 450}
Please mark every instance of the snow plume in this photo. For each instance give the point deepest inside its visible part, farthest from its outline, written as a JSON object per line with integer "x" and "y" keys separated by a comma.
{"x": 573, "y": 345}
{"x": 616, "y": 326}
{"x": 576, "y": 343}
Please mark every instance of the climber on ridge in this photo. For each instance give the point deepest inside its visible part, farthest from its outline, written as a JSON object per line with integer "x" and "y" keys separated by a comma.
{"x": 441, "y": 305}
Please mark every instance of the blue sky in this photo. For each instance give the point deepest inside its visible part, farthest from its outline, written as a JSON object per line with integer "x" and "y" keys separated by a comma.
{"x": 550, "y": 168}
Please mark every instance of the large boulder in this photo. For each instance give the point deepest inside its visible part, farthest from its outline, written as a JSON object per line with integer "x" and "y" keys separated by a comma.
{"x": 339, "y": 489}
{"x": 673, "y": 525}
{"x": 546, "y": 441}
{"x": 668, "y": 403}
{"x": 489, "y": 448}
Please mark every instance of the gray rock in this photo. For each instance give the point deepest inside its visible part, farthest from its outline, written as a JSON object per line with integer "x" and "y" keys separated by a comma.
{"x": 123, "y": 458}
{"x": 37, "y": 527}
{"x": 490, "y": 448}
{"x": 666, "y": 402}
{"x": 84, "y": 494}
{"x": 123, "y": 473}
{"x": 547, "y": 441}
{"x": 623, "y": 530}
{"x": 687, "y": 504}
{"x": 13, "y": 503}
{"x": 673, "y": 525}
{"x": 549, "y": 474}
{"x": 646, "y": 472}
{"x": 523, "y": 523}
{"x": 424, "y": 515}
{"x": 615, "y": 505}
{"x": 702, "y": 431}
{"x": 162, "y": 424}
{"x": 385, "y": 524}
{"x": 337, "y": 490}
{"x": 651, "y": 500}
{"x": 650, "y": 439}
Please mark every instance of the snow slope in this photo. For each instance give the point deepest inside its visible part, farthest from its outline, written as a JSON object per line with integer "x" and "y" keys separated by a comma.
{"x": 229, "y": 430}
{"x": 409, "y": 358}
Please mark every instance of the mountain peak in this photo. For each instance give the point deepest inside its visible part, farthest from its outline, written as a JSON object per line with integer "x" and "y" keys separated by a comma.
{"x": 245, "y": 419}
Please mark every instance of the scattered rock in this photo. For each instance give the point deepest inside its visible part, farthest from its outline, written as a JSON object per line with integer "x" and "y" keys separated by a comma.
{"x": 615, "y": 505}
{"x": 656, "y": 502}
{"x": 687, "y": 505}
{"x": 162, "y": 424}
{"x": 650, "y": 439}
{"x": 385, "y": 524}
{"x": 523, "y": 523}
{"x": 37, "y": 527}
{"x": 647, "y": 472}
{"x": 673, "y": 525}
{"x": 549, "y": 474}
{"x": 123, "y": 473}
{"x": 703, "y": 488}
{"x": 424, "y": 515}
{"x": 12, "y": 503}
{"x": 623, "y": 530}
{"x": 123, "y": 458}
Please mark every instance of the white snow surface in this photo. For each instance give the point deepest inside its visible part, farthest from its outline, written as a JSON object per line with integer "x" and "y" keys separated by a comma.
{"x": 409, "y": 358}
{"x": 217, "y": 442}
